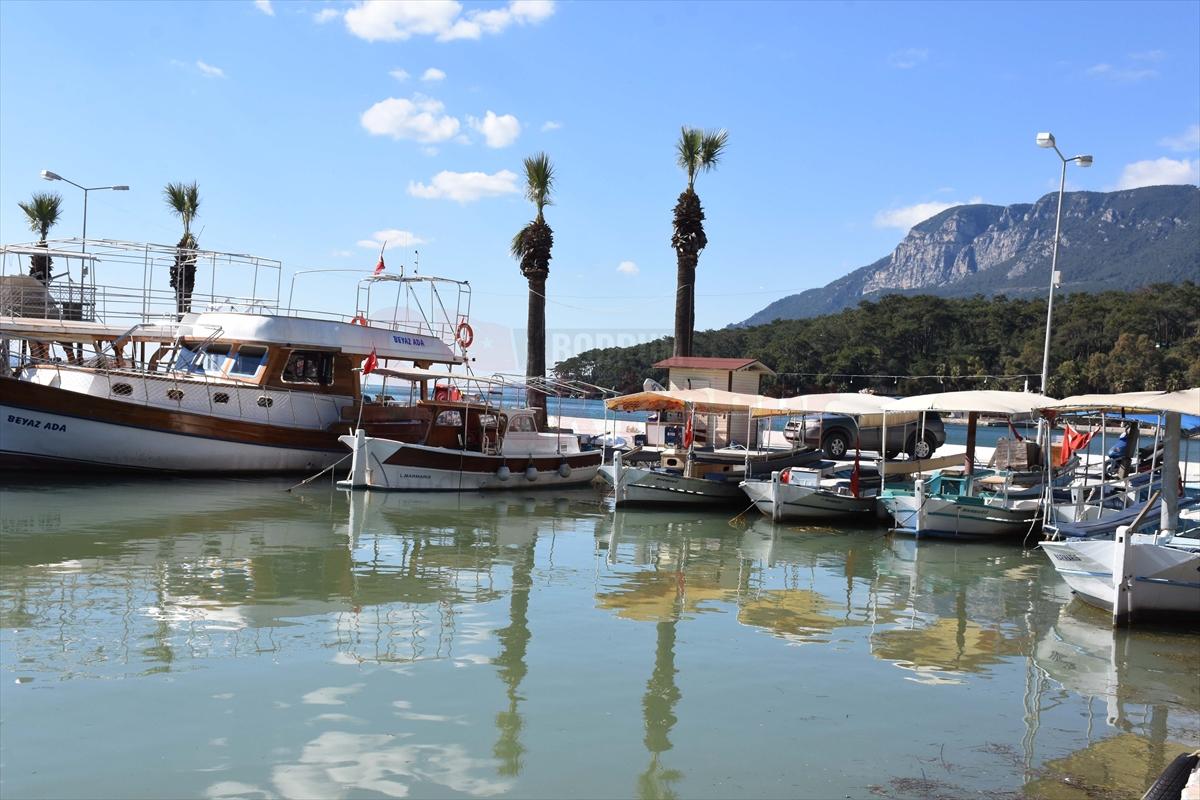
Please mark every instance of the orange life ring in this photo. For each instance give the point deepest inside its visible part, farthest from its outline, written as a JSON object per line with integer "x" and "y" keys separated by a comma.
{"x": 464, "y": 335}
{"x": 359, "y": 319}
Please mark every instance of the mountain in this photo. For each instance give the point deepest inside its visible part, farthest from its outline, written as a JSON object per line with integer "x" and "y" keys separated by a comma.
{"x": 1110, "y": 240}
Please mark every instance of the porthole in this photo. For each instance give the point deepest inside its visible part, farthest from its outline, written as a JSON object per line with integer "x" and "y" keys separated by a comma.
{"x": 265, "y": 402}
{"x": 174, "y": 394}
{"x": 123, "y": 389}
{"x": 220, "y": 397}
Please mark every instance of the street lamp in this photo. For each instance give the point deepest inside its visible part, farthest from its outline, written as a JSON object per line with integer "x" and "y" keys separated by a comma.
{"x": 1046, "y": 139}
{"x": 54, "y": 176}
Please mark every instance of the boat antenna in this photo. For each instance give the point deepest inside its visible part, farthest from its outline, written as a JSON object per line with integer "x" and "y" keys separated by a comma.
{"x": 416, "y": 262}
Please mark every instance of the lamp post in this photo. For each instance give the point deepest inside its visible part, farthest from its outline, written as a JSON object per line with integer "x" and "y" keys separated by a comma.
{"x": 54, "y": 176}
{"x": 1047, "y": 140}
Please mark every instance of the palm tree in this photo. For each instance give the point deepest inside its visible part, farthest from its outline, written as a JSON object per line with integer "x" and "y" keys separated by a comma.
{"x": 184, "y": 200}
{"x": 531, "y": 246}
{"x": 696, "y": 151}
{"x": 42, "y": 211}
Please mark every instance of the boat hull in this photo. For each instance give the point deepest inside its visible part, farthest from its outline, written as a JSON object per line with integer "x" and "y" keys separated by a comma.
{"x": 1166, "y": 580}
{"x": 970, "y": 518}
{"x": 636, "y": 486}
{"x": 38, "y": 439}
{"x": 396, "y": 466}
{"x": 784, "y": 502}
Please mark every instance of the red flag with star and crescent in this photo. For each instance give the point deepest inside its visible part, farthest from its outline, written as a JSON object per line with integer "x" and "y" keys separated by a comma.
{"x": 380, "y": 265}
{"x": 370, "y": 363}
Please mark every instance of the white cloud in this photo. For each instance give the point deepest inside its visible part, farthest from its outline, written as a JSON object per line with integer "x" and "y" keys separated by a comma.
{"x": 265, "y": 7}
{"x": 1158, "y": 172}
{"x": 1120, "y": 74}
{"x": 209, "y": 71}
{"x": 394, "y": 238}
{"x": 1148, "y": 55}
{"x": 550, "y": 125}
{"x": 399, "y": 74}
{"x": 498, "y": 131}
{"x": 421, "y": 119}
{"x": 908, "y": 58}
{"x": 341, "y": 254}
{"x": 465, "y": 187}
{"x": 325, "y": 15}
{"x": 398, "y": 20}
{"x": 433, "y": 74}
{"x": 1185, "y": 142}
{"x": 628, "y": 268}
{"x": 907, "y": 216}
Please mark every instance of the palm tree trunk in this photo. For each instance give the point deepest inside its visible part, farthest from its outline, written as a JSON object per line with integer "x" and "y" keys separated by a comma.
{"x": 535, "y": 354}
{"x": 685, "y": 313}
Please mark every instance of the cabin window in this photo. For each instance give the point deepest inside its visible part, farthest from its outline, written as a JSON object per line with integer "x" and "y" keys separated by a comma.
{"x": 309, "y": 366}
{"x": 221, "y": 397}
{"x": 123, "y": 389}
{"x": 264, "y": 402}
{"x": 186, "y": 360}
{"x": 174, "y": 394}
{"x": 451, "y": 418}
{"x": 247, "y": 360}
{"x": 213, "y": 359}
{"x": 523, "y": 424}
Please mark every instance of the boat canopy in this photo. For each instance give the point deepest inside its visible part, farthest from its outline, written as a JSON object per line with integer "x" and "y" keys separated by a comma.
{"x": 852, "y": 403}
{"x": 982, "y": 401}
{"x": 705, "y": 401}
{"x": 417, "y": 374}
{"x": 1184, "y": 401}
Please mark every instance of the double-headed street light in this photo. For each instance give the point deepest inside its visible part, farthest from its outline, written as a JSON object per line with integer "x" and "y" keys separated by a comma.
{"x": 54, "y": 176}
{"x": 1047, "y": 140}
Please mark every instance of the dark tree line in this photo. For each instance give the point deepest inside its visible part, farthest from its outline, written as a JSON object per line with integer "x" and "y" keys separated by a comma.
{"x": 1144, "y": 339}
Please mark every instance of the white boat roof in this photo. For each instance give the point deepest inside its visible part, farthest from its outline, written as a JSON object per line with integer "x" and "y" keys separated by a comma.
{"x": 705, "y": 401}
{"x": 345, "y": 337}
{"x": 851, "y": 403}
{"x": 983, "y": 401}
{"x": 1184, "y": 401}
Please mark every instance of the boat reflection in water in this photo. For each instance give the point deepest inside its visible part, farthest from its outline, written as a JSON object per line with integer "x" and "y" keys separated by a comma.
{"x": 318, "y": 644}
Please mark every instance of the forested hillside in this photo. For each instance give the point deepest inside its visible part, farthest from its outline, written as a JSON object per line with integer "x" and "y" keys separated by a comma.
{"x": 1111, "y": 341}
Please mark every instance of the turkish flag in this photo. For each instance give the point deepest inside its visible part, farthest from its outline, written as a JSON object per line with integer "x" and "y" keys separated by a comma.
{"x": 370, "y": 362}
{"x": 379, "y": 266}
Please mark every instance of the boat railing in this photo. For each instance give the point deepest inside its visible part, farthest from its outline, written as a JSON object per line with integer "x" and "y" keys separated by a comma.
{"x": 107, "y": 376}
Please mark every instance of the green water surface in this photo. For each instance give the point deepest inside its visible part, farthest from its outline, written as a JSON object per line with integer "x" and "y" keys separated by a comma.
{"x": 225, "y": 638}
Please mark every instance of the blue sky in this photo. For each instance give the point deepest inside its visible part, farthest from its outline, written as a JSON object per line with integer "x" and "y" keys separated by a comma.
{"x": 311, "y": 126}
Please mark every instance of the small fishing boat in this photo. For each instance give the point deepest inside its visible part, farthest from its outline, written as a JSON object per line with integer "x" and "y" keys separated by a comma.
{"x": 1140, "y": 576}
{"x": 824, "y": 490}
{"x": 446, "y": 441}
{"x": 691, "y": 475}
{"x": 829, "y": 488}
{"x": 968, "y": 501}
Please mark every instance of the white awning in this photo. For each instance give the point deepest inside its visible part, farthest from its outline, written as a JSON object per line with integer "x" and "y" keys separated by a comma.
{"x": 705, "y": 401}
{"x": 982, "y": 401}
{"x": 1184, "y": 401}
{"x": 852, "y": 403}
{"x": 26, "y": 250}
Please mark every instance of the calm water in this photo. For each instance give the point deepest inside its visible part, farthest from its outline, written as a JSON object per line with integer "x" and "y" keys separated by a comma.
{"x": 227, "y": 639}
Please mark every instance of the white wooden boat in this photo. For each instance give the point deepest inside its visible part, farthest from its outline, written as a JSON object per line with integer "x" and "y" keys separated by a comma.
{"x": 1140, "y": 576}
{"x": 825, "y": 490}
{"x": 445, "y": 441}
{"x": 96, "y": 377}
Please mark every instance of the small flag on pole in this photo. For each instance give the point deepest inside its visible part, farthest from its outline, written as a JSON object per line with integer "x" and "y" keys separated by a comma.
{"x": 370, "y": 363}
{"x": 380, "y": 265}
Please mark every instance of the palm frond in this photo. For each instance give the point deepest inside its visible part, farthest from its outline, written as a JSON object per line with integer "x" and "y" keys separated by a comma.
{"x": 539, "y": 180}
{"x": 688, "y": 151}
{"x": 42, "y": 212}
{"x": 184, "y": 200}
{"x": 712, "y": 147}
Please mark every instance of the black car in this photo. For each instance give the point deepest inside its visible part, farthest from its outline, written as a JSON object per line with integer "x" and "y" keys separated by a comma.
{"x": 837, "y": 434}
